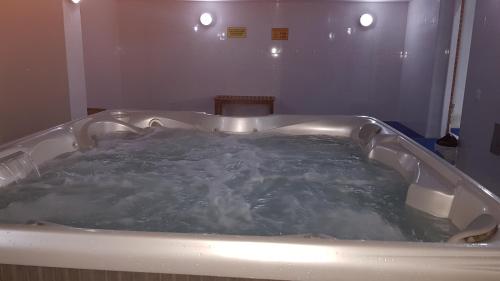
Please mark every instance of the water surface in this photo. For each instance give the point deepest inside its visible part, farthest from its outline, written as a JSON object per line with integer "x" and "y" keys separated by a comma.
{"x": 187, "y": 181}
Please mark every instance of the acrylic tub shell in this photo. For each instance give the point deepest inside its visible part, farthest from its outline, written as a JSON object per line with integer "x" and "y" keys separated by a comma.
{"x": 435, "y": 187}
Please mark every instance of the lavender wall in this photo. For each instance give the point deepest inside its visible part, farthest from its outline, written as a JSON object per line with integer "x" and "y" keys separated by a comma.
{"x": 101, "y": 53}
{"x": 33, "y": 69}
{"x": 481, "y": 108}
{"x": 74, "y": 60}
{"x": 423, "y": 81}
{"x": 165, "y": 64}
{"x": 440, "y": 67}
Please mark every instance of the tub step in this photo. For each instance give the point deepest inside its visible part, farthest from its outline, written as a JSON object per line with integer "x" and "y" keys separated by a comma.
{"x": 481, "y": 229}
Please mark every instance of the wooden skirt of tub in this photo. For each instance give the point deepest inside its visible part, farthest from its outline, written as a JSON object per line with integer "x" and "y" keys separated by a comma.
{"x": 35, "y": 273}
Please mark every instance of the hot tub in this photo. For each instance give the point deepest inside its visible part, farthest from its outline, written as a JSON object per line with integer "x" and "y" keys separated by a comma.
{"x": 47, "y": 250}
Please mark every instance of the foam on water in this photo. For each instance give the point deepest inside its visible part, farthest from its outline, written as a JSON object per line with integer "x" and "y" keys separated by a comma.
{"x": 191, "y": 181}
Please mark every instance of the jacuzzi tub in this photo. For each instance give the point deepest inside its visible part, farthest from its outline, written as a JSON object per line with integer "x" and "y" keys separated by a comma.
{"x": 43, "y": 251}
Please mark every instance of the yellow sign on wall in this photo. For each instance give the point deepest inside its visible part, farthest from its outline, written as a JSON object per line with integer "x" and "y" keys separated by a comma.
{"x": 236, "y": 32}
{"x": 279, "y": 33}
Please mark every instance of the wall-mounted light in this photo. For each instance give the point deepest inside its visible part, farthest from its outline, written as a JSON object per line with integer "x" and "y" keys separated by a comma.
{"x": 366, "y": 20}
{"x": 222, "y": 36}
{"x": 275, "y": 52}
{"x": 206, "y": 19}
{"x": 75, "y": 1}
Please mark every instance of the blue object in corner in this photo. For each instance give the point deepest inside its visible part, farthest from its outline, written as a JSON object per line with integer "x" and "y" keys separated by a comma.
{"x": 425, "y": 142}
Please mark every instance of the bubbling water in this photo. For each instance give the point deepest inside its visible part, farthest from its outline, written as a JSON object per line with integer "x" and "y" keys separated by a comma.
{"x": 187, "y": 181}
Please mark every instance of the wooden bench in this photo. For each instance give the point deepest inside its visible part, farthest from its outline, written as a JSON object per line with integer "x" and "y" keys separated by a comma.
{"x": 220, "y": 101}
{"x": 92, "y": 110}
